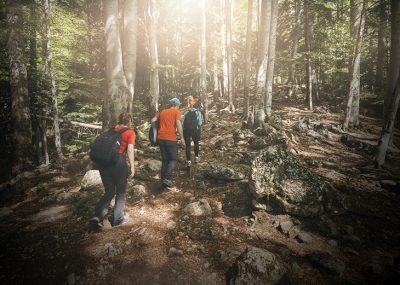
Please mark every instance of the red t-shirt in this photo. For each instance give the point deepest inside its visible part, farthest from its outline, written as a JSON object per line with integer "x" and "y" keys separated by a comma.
{"x": 168, "y": 118}
{"x": 128, "y": 137}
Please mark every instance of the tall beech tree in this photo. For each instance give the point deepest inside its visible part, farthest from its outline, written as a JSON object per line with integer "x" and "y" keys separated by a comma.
{"x": 271, "y": 58}
{"x": 229, "y": 52}
{"x": 20, "y": 112}
{"x": 357, "y": 20}
{"x": 49, "y": 68}
{"x": 203, "y": 61}
{"x": 129, "y": 35}
{"x": 247, "y": 63}
{"x": 262, "y": 61}
{"x": 152, "y": 16}
{"x": 393, "y": 94}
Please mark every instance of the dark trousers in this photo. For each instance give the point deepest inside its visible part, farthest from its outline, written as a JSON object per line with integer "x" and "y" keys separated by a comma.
{"x": 169, "y": 154}
{"x": 114, "y": 179}
{"x": 188, "y": 136}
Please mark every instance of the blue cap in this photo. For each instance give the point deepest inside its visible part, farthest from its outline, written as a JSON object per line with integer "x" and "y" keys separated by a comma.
{"x": 175, "y": 101}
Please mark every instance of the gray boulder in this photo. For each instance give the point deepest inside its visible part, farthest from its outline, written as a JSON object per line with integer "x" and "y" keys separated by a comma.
{"x": 286, "y": 184}
{"x": 90, "y": 180}
{"x": 256, "y": 266}
{"x": 199, "y": 208}
{"x": 153, "y": 165}
{"x": 222, "y": 172}
{"x": 240, "y": 135}
{"x": 328, "y": 262}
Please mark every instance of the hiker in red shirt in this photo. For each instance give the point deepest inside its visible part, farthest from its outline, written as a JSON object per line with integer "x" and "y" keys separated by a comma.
{"x": 114, "y": 177}
{"x": 170, "y": 122}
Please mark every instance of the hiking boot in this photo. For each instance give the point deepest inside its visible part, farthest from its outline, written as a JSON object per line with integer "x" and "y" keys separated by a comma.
{"x": 188, "y": 163}
{"x": 167, "y": 183}
{"x": 197, "y": 159}
{"x": 95, "y": 223}
{"x": 124, "y": 221}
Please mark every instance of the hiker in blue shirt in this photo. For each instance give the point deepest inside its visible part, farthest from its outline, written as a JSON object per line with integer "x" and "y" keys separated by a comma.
{"x": 191, "y": 122}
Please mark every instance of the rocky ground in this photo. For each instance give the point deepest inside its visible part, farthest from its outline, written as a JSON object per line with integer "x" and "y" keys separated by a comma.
{"x": 296, "y": 201}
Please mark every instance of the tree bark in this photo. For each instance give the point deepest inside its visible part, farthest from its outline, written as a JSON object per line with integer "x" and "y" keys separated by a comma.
{"x": 394, "y": 54}
{"x": 53, "y": 79}
{"x": 309, "y": 64}
{"x": 224, "y": 51}
{"x": 247, "y": 64}
{"x": 20, "y": 112}
{"x": 380, "y": 58}
{"x": 387, "y": 130}
{"x": 154, "y": 78}
{"x": 357, "y": 27}
{"x": 118, "y": 95}
{"x": 203, "y": 60}
{"x": 229, "y": 49}
{"x": 293, "y": 51}
{"x": 129, "y": 36}
{"x": 262, "y": 61}
{"x": 271, "y": 58}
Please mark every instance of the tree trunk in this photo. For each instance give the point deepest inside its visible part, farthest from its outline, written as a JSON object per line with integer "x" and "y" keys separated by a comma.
{"x": 394, "y": 54}
{"x": 271, "y": 58}
{"x": 262, "y": 61}
{"x": 352, "y": 109}
{"x": 293, "y": 51}
{"x": 118, "y": 95}
{"x": 387, "y": 130}
{"x": 229, "y": 50}
{"x": 50, "y": 68}
{"x": 203, "y": 61}
{"x": 154, "y": 79}
{"x": 129, "y": 46}
{"x": 309, "y": 64}
{"x": 380, "y": 58}
{"x": 20, "y": 113}
{"x": 224, "y": 50}
{"x": 247, "y": 64}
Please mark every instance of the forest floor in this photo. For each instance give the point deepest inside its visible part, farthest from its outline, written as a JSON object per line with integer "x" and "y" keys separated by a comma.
{"x": 45, "y": 236}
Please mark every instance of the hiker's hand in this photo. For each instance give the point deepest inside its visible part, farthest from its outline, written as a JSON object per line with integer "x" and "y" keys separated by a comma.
{"x": 183, "y": 143}
{"x": 132, "y": 172}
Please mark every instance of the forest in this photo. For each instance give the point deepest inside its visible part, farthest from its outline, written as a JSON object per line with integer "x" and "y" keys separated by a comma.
{"x": 298, "y": 180}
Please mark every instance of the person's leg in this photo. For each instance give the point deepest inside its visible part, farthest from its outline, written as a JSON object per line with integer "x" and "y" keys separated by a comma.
{"x": 186, "y": 136}
{"x": 120, "y": 175}
{"x": 196, "y": 140}
{"x": 172, "y": 154}
{"x": 109, "y": 188}
{"x": 164, "y": 157}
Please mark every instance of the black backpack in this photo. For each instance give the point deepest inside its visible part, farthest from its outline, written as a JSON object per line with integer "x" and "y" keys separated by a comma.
{"x": 153, "y": 132}
{"x": 104, "y": 150}
{"x": 190, "y": 123}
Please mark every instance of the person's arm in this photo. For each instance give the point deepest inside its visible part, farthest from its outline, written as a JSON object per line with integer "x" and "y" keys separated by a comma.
{"x": 180, "y": 131}
{"x": 131, "y": 158}
{"x": 156, "y": 117}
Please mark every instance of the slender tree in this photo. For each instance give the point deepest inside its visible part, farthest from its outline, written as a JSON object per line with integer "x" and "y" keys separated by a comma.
{"x": 225, "y": 81}
{"x": 357, "y": 27}
{"x": 309, "y": 61}
{"x": 154, "y": 78}
{"x": 387, "y": 130}
{"x": 118, "y": 95}
{"x": 262, "y": 60}
{"x": 294, "y": 48}
{"x": 20, "y": 113}
{"x": 247, "y": 64}
{"x": 271, "y": 58}
{"x": 53, "y": 79}
{"x": 229, "y": 50}
{"x": 203, "y": 60}
{"x": 129, "y": 36}
{"x": 394, "y": 54}
{"x": 380, "y": 58}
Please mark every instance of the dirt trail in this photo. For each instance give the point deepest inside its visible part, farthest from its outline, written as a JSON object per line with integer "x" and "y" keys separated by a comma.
{"x": 46, "y": 239}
